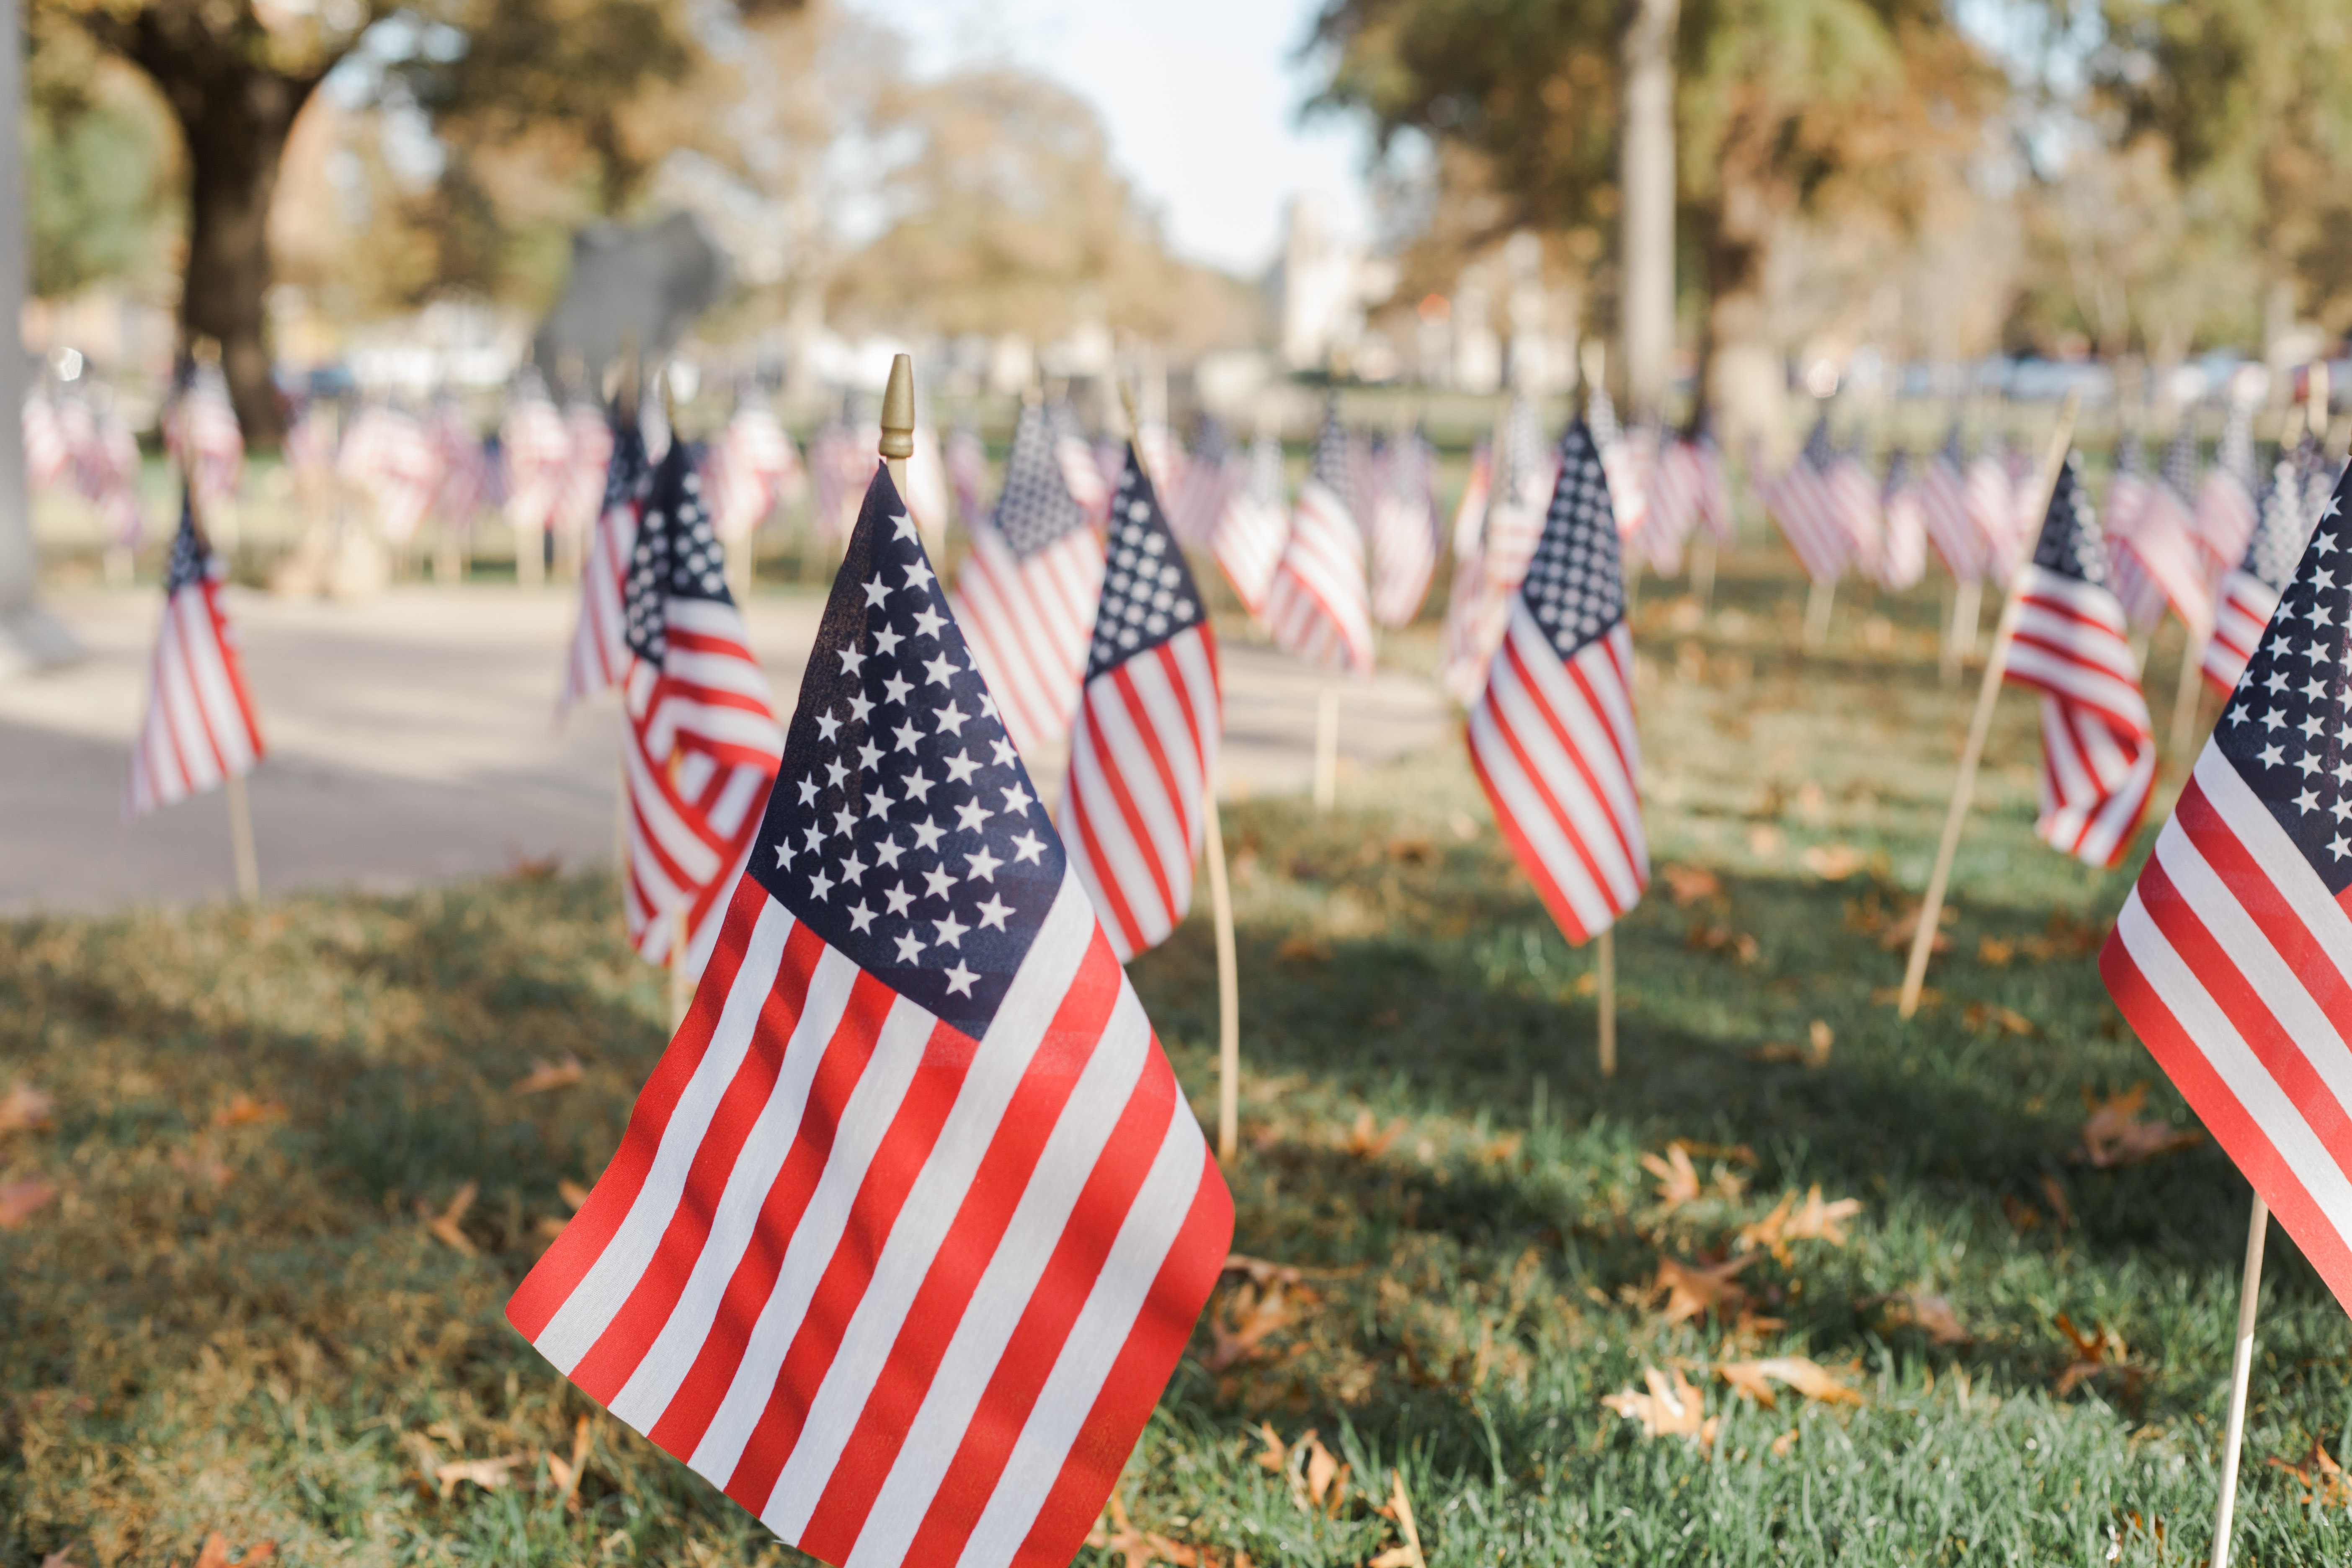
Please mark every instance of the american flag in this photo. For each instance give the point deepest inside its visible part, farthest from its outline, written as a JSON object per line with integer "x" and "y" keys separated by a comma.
{"x": 967, "y": 461}
{"x": 394, "y": 460}
{"x": 1811, "y": 510}
{"x": 2229, "y": 958}
{"x": 1162, "y": 453}
{"x": 1855, "y": 496}
{"x": 839, "y": 468}
{"x": 45, "y": 452}
{"x": 2154, "y": 557}
{"x": 2225, "y": 502}
{"x": 200, "y": 726}
{"x": 2098, "y": 751}
{"x": 755, "y": 461}
{"x": 1470, "y": 511}
{"x": 203, "y": 437}
{"x": 1211, "y": 475}
{"x": 105, "y": 463}
{"x": 1523, "y": 491}
{"x": 911, "y": 1223}
{"x": 465, "y": 467}
{"x": 1254, "y": 526}
{"x": 2249, "y": 594}
{"x": 310, "y": 442}
{"x": 599, "y": 644}
{"x": 1944, "y": 509}
{"x": 1715, "y": 513}
{"x": 1675, "y": 496}
{"x": 1620, "y": 459}
{"x": 1903, "y": 548}
{"x": 1316, "y": 607}
{"x": 1144, "y": 746}
{"x": 1404, "y": 531}
{"x": 588, "y": 429}
{"x": 1025, "y": 595}
{"x": 1081, "y": 466}
{"x": 1552, "y": 737}
{"x": 701, "y": 739}
{"x": 536, "y": 447}
{"x": 1992, "y": 506}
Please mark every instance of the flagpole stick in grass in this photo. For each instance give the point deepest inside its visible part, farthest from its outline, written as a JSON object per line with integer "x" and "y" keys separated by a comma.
{"x": 1702, "y": 576}
{"x": 1931, "y": 907}
{"x": 1327, "y": 745}
{"x": 2242, "y": 1361}
{"x": 1605, "y": 979}
{"x": 2181, "y": 738}
{"x": 240, "y": 810}
{"x": 1817, "y": 613}
{"x": 1961, "y": 637}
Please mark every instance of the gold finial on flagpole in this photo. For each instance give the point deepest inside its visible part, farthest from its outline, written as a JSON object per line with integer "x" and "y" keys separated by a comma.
{"x": 899, "y": 419}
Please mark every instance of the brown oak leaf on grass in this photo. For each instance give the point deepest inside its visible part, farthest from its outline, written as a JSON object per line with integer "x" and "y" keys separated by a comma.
{"x": 1932, "y": 1314}
{"x": 1692, "y": 1289}
{"x": 214, "y": 1553}
{"x": 1832, "y": 862}
{"x": 565, "y": 1473}
{"x": 445, "y": 1223}
{"x": 1256, "y": 1309}
{"x": 1670, "y": 1408}
{"x": 1814, "y": 1052}
{"x": 20, "y": 1201}
{"x": 2093, "y": 1351}
{"x": 1788, "y": 1222}
{"x": 487, "y": 1474}
{"x": 1678, "y": 1180}
{"x": 1754, "y": 1380}
{"x": 2003, "y": 1020}
{"x": 544, "y": 1075}
{"x": 2115, "y": 1135}
{"x": 1365, "y": 1143}
{"x": 25, "y": 1109}
{"x": 1704, "y": 937}
{"x": 2324, "y": 1481}
{"x": 1687, "y": 885}
{"x": 1397, "y": 1511}
{"x": 1141, "y": 1548}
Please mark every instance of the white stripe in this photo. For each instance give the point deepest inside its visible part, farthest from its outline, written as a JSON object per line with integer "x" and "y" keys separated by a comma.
{"x": 931, "y": 1204}
{"x": 1536, "y": 819}
{"x": 1122, "y": 869}
{"x": 1556, "y": 693}
{"x": 1005, "y": 1289}
{"x": 589, "y": 1309}
{"x": 208, "y": 673}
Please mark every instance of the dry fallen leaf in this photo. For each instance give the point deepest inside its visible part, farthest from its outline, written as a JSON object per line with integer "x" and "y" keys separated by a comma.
{"x": 1739, "y": 945}
{"x": 1304, "y": 950}
{"x": 1275, "y": 1456}
{"x": 1322, "y": 1470}
{"x": 1754, "y": 1379}
{"x": 1367, "y": 1145}
{"x": 64, "y": 1558}
{"x": 2094, "y": 1352}
{"x": 1692, "y": 1289}
{"x": 1814, "y": 1052}
{"x": 1901, "y": 929}
{"x": 25, "y": 1109}
{"x": 1678, "y": 1177}
{"x": 1668, "y": 1410}
{"x": 1833, "y": 862}
{"x": 524, "y": 868}
{"x": 2060, "y": 1209}
{"x": 19, "y": 1200}
{"x": 214, "y": 1553}
{"x": 1995, "y": 951}
{"x": 1931, "y": 1313}
{"x": 566, "y": 1474}
{"x": 1251, "y": 1314}
{"x": 243, "y": 1107}
{"x": 2008, "y": 1020}
{"x": 2115, "y": 1135}
{"x": 445, "y": 1223}
{"x": 1815, "y": 1221}
{"x": 2324, "y": 1482}
{"x": 544, "y": 1076}
{"x": 487, "y": 1474}
{"x": 1397, "y": 1511}
{"x": 1688, "y": 884}
{"x": 1784, "y": 1443}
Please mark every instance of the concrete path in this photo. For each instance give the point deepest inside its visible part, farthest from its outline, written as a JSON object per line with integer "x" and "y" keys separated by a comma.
{"x": 412, "y": 739}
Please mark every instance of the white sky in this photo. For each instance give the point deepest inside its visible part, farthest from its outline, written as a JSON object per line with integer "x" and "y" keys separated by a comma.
{"x": 1200, "y": 99}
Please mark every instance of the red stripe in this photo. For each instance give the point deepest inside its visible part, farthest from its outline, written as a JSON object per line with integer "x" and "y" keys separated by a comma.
{"x": 1103, "y": 882}
{"x": 232, "y": 670}
{"x": 842, "y": 1065}
{"x": 1543, "y": 785}
{"x": 1131, "y": 817}
{"x": 1136, "y": 1378}
{"x": 559, "y": 1272}
{"x": 897, "y": 1161}
{"x": 1530, "y": 860}
{"x": 964, "y": 1254}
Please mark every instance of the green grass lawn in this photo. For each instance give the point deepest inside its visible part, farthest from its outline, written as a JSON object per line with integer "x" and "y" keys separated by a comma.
{"x": 235, "y": 1315}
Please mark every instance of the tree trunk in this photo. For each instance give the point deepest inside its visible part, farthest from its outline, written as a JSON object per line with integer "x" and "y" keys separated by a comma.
{"x": 233, "y": 114}
{"x": 1743, "y": 377}
{"x": 1646, "y": 178}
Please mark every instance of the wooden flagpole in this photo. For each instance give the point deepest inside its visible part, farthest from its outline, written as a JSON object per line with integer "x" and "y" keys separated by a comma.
{"x": 1702, "y": 576}
{"x": 899, "y": 420}
{"x": 2242, "y": 1363}
{"x": 1961, "y": 637}
{"x": 1931, "y": 908}
{"x": 1604, "y": 974}
{"x": 240, "y": 810}
{"x": 1817, "y": 613}
{"x": 2179, "y": 739}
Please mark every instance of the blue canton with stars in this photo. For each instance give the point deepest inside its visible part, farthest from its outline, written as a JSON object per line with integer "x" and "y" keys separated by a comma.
{"x": 1575, "y": 587}
{"x": 192, "y": 554}
{"x": 2288, "y": 729}
{"x": 1035, "y": 509}
{"x": 902, "y": 828}
{"x": 630, "y": 473}
{"x": 678, "y": 556}
{"x": 1147, "y": 593}
{"x": 2071, "y": 543}
{"x": 2272, "y": 553}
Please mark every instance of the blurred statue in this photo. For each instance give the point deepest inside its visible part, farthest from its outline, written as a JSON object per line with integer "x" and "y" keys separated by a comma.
{"x": 643, "y": 286}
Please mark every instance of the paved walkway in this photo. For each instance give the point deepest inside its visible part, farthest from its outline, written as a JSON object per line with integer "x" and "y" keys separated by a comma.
{"x": 412, "y": 739}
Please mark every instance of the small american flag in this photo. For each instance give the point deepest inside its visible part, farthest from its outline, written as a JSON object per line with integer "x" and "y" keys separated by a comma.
{"x": 1211, "y": 475}
{"x": 1254, "y": 526}
{"x": 2154, "y": 557}
{"x": 1552, "y": 737}
{"x": 1144, "y": 746}
{"x": 536, "y": 447}
{"x": 105, "y": 465}
{"x": 1620, "y": 459}
{"x": 1810, "y": 510}
{"x": 205, "y": 437}
{"x": 967, "y": 461}
{"x": 1025, "y": 595}
{"x": 1944, "y": 509}
{"x": 1992, "y": 506}
{"x": 1523, "y": 492}
{"x": 1404, "y": 531}
{"x": 1082, "y": 467}
{"x": 200, "y": 726}
{"x": 588, "y": 430}
{"x": 391, "y": 458}
{"x": 2249, "y": 594}
{"x": 839, "y": 468}
{"x": 2098, "y": 750}
{"x": 1318, "y": 607}
{"x": 2232, "y": 958}
{"x": 701, "y": 740}
{"x": 1676, "y": 492}
{"x": 2225, "y": 502}
{"x": 600, "y": 644}
{"x": 1470, "y": 511}
{"x": 911, "y": 1222}
{"x": 1903, "y": 547}
{"x": 755, "y": 461}
{"x": 1162, "y": 453}
{"x": 465, "y": 467}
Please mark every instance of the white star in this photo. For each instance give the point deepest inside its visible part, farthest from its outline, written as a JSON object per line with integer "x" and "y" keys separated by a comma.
{"x": 2342, "y": 808}
{"x": 2311, "y": 726}
{"x": 940, "y": 671}
{"x": 885, "y": 641}
{"x": 927, "y": 833}
{"x": 869, "y": 756}
{"x": 2272, "y": 756}
{"x": 992, "y": 914}
{"x": 928, "y": 621}
{"x": 2323, "y": 579}
{"x": 820, "y": 884}
{"x": 2316, "y": 689}
{"x": 836, "y": 773}
{"x": 784, "y": 853}
{"x": 827, "y": 726}
{"x": 852, "y": 868}
{"x": 2324, "y": 544}
{"x": 2318, "y": 616}
{"x": 1017, "y": 799}
{"x": 895, "y": 690}
{"x": 940, "y": 881}
{"x": 902, "y": 526}
{"x": 959, "y": 980}
{"x": 811, "y": 836}
{"x": 1030, "y": 847}
{"x": 2306, "y": 800}
{"x": 918, "y": 786}
{"x": 972, "y": 814}
{"x": 2341, "y": 846}
{"x": 859, "y": 707}
{"x": 1005, "y": 755}
{"x": 876, "y": 591}
{"x": 2273, "y": 718}
{"x": 2276, "y": 682}
{"x": 808, "y": 792}
{"x": 951, "y": 720}
{"x": 918, "y": 576}
{"x": 951, "y": 930}
{"x": 910, "y": 947}
{"x": 906, "y": 737}
{"x": 960, "y": 767}
{"x": 987, "y": 705}
{"x": 897, "y": 897}
{"x": 2308, "y": 763}
{"x": 886, "y": 853}
{"x": 844, "y": 822}
{"x": 860, "y": 916}
{"x": 878, "y": 806}
{"x": 983, "y": 864}
{"x": 850, "y": 660}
